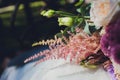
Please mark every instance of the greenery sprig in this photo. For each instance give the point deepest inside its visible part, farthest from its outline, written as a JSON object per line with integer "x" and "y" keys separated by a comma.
{"x": 71, "y": 20}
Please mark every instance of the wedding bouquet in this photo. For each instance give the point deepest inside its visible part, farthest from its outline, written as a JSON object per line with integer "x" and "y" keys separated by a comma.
{"x": 91, "y": 37}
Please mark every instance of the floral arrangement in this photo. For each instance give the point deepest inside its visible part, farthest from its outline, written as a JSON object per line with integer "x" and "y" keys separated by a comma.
{"x": 91, "y": 37}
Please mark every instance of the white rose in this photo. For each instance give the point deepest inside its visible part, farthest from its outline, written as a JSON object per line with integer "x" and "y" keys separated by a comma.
{"x": 102, "y": 11}
{"x": 88, "y": 1}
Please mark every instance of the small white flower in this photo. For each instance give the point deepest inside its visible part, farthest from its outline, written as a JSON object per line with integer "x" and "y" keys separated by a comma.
{"x": 66, "y": 21}
{"x": 48, "y": 13}
{"x": 102, "y": 11}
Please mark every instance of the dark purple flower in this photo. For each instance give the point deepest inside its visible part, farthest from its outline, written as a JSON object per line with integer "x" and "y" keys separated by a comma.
{"x": 105, "y": 45}
{"x": 110, "y": 41}
{"x": 115, "y": 53}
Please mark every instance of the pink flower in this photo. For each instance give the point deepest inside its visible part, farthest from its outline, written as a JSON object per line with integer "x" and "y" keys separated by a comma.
{"x": 78, "y": 47}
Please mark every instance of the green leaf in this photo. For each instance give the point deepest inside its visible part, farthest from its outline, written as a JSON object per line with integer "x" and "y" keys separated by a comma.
{"x": 72, "y": 29}
{"x": 79, "y": 3}
{"x": 80, "y": 20}
{"x": 65, "y": 32}
{"x": 79, "y": 10}
{"x": 86, "y": 28}
{"x": 59, "y": 35}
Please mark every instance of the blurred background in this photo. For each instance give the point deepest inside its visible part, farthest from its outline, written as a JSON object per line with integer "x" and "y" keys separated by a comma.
{"x": 21, "y": 25}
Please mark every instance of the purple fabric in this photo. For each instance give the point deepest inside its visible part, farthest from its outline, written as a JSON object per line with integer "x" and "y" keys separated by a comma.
{"x": 110, "y": 70}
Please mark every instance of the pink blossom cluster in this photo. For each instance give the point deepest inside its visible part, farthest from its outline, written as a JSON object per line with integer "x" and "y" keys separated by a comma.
{"x": 77, "y": 48}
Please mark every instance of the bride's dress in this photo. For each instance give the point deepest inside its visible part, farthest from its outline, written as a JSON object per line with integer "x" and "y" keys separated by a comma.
{"x": 54, "y": 70}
